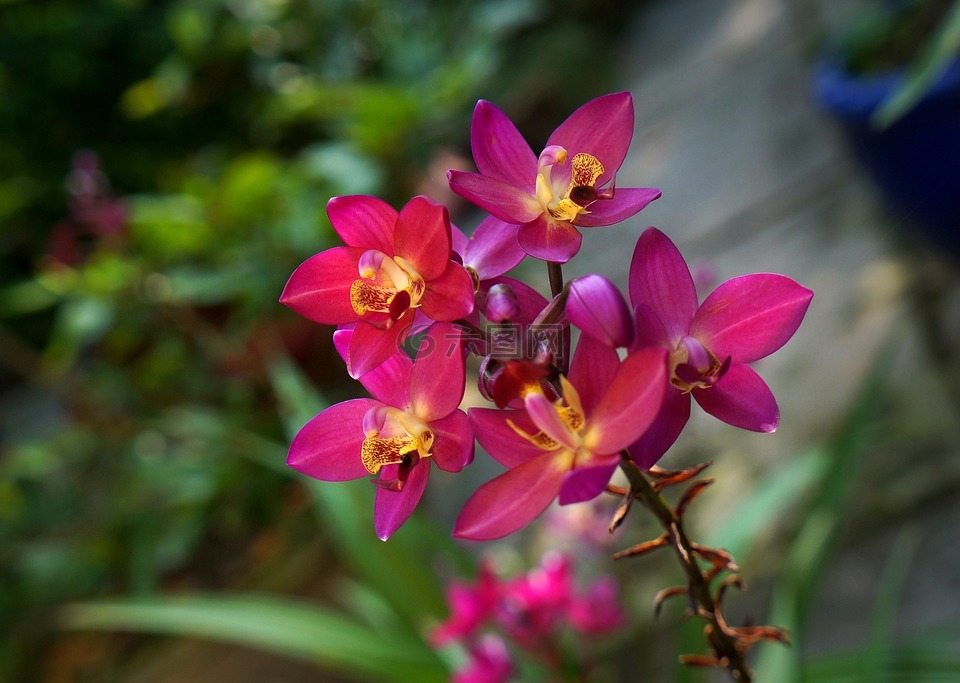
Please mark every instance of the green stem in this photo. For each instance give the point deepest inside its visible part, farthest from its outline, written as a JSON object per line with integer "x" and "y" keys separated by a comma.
{"x": 722, "y": 643}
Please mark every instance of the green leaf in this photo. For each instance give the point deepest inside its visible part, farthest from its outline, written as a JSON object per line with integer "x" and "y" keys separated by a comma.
{"x": 280, "y": 625}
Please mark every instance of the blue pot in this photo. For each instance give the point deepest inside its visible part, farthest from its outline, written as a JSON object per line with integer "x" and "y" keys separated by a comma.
{"x": 916, "y": 160}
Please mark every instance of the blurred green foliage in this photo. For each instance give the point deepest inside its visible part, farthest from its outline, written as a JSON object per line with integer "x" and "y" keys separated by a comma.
{"x": 139, "y": 326}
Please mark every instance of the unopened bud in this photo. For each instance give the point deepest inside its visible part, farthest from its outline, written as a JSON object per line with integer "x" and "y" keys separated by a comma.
{"x": 502, "y": 304}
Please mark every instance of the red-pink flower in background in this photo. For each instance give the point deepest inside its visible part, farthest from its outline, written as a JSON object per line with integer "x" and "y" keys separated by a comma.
{"x": 572, "y": 183}
{"x": 710, "y": 344}
{"x": 412, "y": 418}
{"x": 393, "y": 264}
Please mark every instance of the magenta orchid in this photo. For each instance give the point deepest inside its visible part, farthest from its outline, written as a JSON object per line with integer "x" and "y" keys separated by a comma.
{"x": 570, "y": 185}
{"x": 412, "y": 417}
{"x": 566, "y": 446}
{"x": 393, "y": 265}
{"x": 710, "y": 345}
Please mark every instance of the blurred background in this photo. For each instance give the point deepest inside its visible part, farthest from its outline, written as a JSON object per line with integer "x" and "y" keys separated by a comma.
{"x": 164, "y": 166}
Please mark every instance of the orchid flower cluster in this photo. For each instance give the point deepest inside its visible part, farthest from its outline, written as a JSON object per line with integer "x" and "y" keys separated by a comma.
{"x": 541, "y": 612}
{"x": 561, "y": 423}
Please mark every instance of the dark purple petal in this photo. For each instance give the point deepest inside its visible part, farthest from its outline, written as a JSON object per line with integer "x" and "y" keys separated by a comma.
{"x": 439, "y": 375}
{"x": 499, "y": 150}
{"x": 741, "y": 399}
{"x": 494, "y": 433}
{"x": 664, "y": 430}
{"x": 493, "y": 248}
{"x": 531, "y": 301}
{"x": 648, "y": 330}
{"x": 328, "y": 446}
{"x": 626, "y": 202}
{"x": 514, "y": 499}
{"x": 630, "y": 404}
{"x": 423, "y": 236}
{"x": 453, "y": 442}
{"x": 458, "y": 241}
{"x": 596, "y": 306}
{"x": 319, "y": 289}
{"x": 547, "y": 240}
{"x": 587, "y": 483}
{"x": 503, "y": 200}
{"x": 370, "y": 346}
{"x": 592, "y": 369}
{"x": 602, "y": 127}
{"x": 660, "y": 279}
{"x": 363, "y": 222}
{"x": 750, "y": 317}
{"x": 392, "y": 508}
{"x": 449, "y": 296}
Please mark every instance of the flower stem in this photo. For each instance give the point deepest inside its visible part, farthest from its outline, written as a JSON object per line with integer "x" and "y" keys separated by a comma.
{"x": 723, "y": 643}
{"x": 555, "y": 273}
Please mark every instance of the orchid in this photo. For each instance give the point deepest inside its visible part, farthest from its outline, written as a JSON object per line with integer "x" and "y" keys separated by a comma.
{"x": 710, "y": 345}
{"x": 571, "y": 184}
{"x": 567, "y": 446}
{"x": 393, "y": 265}
{"x": 412, "y": 417}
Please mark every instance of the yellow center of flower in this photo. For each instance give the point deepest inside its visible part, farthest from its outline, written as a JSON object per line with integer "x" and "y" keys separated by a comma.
{"x": 572, "y": 418}
{"x": 387, "y": 288}
{"x": 392, "y": 437}
{"x": 565, "y": 204}
{"x": 694, "y": 366}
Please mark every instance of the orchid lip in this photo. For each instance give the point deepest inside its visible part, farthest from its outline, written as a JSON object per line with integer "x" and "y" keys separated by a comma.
{"x": 387, "y": 288}
{"x": 394, "y": 437}
{"x": 694, "y": 366}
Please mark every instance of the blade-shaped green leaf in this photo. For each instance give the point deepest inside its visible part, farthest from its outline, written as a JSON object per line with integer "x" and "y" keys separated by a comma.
{"x": 280, "y": 625}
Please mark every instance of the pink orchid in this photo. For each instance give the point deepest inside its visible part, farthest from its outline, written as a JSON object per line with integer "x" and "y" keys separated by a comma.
{"x": 568, "y": 446}
{"x": 710, "y": 345}
{"x": 489, "y": 662}
{"x": 393, "y": 265}
{"x": 570, "y": 185}
{"x": 470, "y": 607}
{"x": 412, "y": 416}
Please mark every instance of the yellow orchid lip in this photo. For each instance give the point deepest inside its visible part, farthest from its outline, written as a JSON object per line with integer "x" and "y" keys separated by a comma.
{"x": 568, "y": 203}
{"x": 394, "y": 437}
{"x": 389, "y": 285}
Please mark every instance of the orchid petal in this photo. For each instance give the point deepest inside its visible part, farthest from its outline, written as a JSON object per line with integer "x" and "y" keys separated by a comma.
{"x": 592, "y": 368}
{"x": 449, "y": 296}
{"x": 742, "y": 399}
{"x": 752, "y": 316}
{"x": 664, "y": 430}
{"x": 596, "y": 306}
{"x": 319, "y": 289}
{"x": 363, "y": 222}
{"x": 544, "y": 414}
{"x": 503, "y": 200}
{"x": 626, "y": 202}
{"x": 530, "y": 301}
{"x": 496, "y": 436}
{"x": 556, "y": 241}
{"x": 453, "y": 442}
{"x": 602, "y": 127}
{"x": 458, "y": 242}
{"x": 328, "y": 446}
{"x": 660, "y": 279}
{"x": 493, "y": 248}
{"x": 390, "y": 382}
{"x": 423, "y": 236}
{"x": 648, "y": 329}
{"x": 438, "y": 377}
{"x": 370, "y": 346}
{"x": 392, "y": 508}
{"x": 587, "y": 483}
{"x": 630, "y": 404}
{"x": 499, "y": 150}
{"x": 514, "y": 499}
